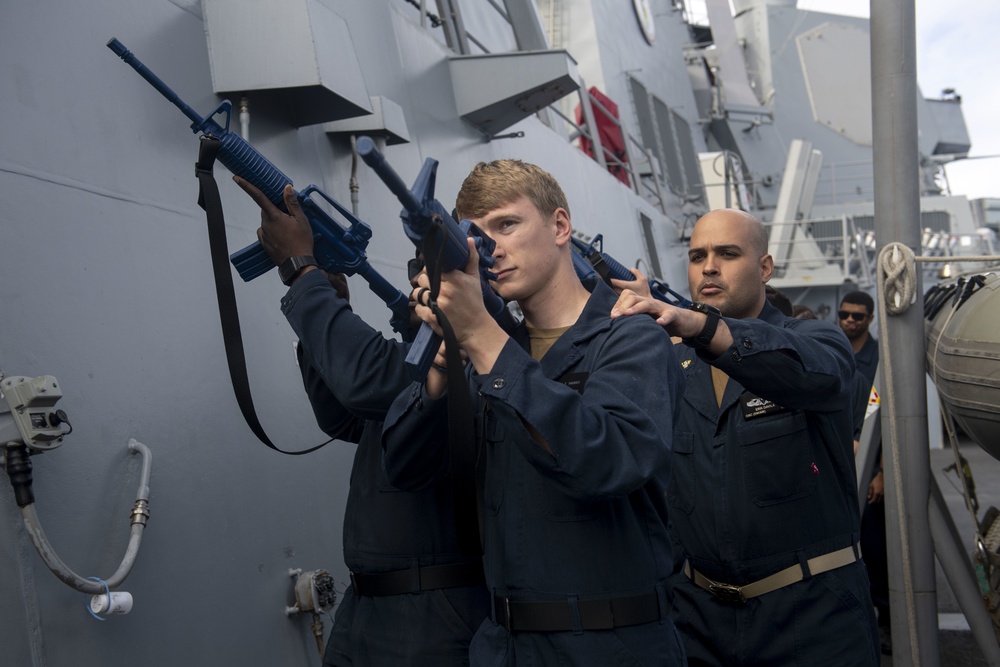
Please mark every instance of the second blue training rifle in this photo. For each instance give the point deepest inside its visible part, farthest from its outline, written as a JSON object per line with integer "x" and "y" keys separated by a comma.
{"x": 423, "y": 215}
{"x": 607, "y": 268}
{"x": 337, "y": 249}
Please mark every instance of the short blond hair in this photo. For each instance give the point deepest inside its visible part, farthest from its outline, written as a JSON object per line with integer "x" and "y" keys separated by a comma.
{"x": 491, "y": 185}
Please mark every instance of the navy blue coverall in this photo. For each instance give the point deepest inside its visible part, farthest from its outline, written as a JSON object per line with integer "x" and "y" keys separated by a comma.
{"x": 567, "y": 532}
{"x": 867, "y": 360}
{"x": 352, "y": 374}
{"x": 765, "y": 482}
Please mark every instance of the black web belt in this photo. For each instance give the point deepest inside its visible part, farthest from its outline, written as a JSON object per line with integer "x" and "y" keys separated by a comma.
{"x": 417, "y": 579}
{"x": 573, "y": 615}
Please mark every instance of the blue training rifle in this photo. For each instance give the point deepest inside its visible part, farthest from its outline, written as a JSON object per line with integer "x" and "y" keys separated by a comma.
{"x": 337, "y": 249}
{"x": 423, "y": 215}
{"x": 605, "y": 266}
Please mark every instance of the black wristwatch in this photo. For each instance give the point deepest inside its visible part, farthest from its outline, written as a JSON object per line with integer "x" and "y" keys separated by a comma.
{"x": 704, "y": 339}
{"x": 290, "y": 268}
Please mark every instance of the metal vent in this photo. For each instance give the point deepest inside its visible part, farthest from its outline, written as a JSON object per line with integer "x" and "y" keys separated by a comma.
{"x": 668, "y": 135}
{"x": 650, "y": 240}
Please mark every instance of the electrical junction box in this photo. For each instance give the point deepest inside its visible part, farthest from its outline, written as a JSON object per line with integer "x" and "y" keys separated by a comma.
{"x": 29, "y": 403}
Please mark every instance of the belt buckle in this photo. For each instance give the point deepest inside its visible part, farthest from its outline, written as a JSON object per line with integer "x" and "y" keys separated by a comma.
{"x": 727, "y": 593}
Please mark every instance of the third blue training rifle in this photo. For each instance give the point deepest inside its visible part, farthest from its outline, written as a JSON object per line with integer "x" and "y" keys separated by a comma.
{"x": 605, "y": 266}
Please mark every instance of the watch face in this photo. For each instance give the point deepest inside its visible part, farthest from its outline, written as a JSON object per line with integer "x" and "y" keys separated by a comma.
{"x": 644, "y": 12}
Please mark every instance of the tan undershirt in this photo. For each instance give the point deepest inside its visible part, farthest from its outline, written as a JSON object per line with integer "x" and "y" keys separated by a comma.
{"x": 719, "y": 380}
{"x": 543, "y": 339}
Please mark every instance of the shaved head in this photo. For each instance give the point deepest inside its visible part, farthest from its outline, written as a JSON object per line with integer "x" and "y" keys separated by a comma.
{"x": 728, "y": 262}
{"x": 744, "y": 224}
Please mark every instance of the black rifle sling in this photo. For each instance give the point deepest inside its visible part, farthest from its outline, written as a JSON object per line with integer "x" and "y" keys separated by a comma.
{"x": 461, "y": 426}
{"x": 209, "y": 200}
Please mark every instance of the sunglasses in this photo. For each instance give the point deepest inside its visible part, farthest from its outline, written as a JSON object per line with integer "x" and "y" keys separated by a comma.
{"x": 857, "y": 317}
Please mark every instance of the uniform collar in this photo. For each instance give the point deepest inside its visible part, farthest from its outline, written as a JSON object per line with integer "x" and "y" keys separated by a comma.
{"x": 594, "y": 320}
{"x": 772, "y": 315}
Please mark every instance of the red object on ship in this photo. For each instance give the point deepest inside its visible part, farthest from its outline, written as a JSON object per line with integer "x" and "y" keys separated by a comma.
{"x": 608, "y": 131}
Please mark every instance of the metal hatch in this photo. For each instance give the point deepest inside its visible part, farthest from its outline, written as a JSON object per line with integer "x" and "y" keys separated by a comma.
{"x": 312, "y": 66}
{"x": 494, "y": 91}
{"x": 387, "y": 121}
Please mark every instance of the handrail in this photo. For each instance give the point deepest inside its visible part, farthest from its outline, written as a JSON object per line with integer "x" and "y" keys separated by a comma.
{"x": 842, "y": 246}
{"x": 839, "y": 173}
{"x": 605, "y": 157}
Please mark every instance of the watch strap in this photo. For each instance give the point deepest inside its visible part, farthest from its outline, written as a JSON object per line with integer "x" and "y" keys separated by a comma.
{"x": 290, "y": 268}
{"x": 704, "y": 339}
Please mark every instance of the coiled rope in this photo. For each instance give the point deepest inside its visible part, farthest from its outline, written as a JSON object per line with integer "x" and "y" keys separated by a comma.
{"x": 898, "y": 277}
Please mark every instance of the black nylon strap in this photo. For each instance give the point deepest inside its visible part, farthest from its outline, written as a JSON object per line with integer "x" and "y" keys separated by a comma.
{"x": 602, "y": 268}
{"x": 209, "y": 200}
{"x": 461, "y": 426}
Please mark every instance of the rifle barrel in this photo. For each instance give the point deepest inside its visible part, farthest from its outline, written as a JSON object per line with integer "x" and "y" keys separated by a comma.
{"x": 154, "y": 80}
{"x": 373, "y": 158}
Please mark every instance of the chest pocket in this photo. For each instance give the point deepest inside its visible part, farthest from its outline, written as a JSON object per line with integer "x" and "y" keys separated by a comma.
{"x": 683, "y": 476}
{"x": 368, "y": 467}
{"x": 496, "y": 461}
{"x": 778, "y": 459}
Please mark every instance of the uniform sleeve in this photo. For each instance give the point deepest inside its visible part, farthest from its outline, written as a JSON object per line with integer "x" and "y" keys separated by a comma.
{"x": 361, "y": 368}
{"x": 415, "y": 440}
{"x": 608, "y": 440}
{"x": 803, "y": 364}
{"x": 332, "y": 417}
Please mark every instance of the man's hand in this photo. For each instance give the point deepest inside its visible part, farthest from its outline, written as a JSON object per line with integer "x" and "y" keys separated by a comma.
{"x": 672, "y": 318}
{"x": 640, "y": 285}
{"x": 339, "y": 282}
{"x": 876, "y": 490}
{"x": 436, "y": 382}
{"x": 460, "y": 297}
{"x": 282, "y": 235}
{"x": 679, "y": 322}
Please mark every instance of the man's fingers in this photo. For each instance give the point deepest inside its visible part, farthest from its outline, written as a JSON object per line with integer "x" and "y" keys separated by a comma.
{"x": 339, "y": 282}
{"x": 472, "y": 266}
{"x": 627, "y": 299}
{"x": 639, "y": 286}
{"x": 292, "y": 201}
{"x": 254, "y": 193}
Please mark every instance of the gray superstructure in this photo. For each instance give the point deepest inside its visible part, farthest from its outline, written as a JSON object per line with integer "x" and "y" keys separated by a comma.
{"x": 106, "y": 282}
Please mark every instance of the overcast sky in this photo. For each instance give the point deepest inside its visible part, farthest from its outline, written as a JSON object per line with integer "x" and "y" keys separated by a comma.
{"x": 958, "y": 46}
